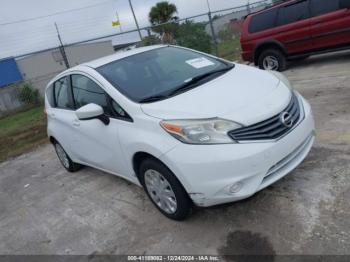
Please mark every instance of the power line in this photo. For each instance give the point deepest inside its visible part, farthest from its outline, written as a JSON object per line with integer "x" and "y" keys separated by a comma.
{"x": 54, "y": 14}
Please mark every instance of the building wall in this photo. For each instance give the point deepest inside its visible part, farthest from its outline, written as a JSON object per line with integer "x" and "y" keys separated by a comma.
{"x": 9, "y": 72}
{"x": 79, "y": 54}
{"x": 8, "y": 98}
{"x": 40, "y": 68}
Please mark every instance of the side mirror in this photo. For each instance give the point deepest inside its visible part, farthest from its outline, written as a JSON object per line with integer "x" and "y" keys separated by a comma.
{"x": 344, "y": 4}
{"x": 92, "y": 111}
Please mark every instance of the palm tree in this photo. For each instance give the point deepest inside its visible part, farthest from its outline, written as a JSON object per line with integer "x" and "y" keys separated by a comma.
{"x": 164, "y": 12}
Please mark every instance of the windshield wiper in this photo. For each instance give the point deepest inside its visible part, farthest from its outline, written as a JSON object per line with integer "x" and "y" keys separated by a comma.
{"x": 193, "y": 81}
{"x": 187, "y": 85}
{"x": 153, "y": 98}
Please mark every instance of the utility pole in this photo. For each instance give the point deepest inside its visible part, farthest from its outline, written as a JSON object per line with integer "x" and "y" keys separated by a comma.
{"x": 137, "y": 24}
{"x": 212, "y": 30}
{"x": 248, "y": 7}
{"x": 63, "y": 52}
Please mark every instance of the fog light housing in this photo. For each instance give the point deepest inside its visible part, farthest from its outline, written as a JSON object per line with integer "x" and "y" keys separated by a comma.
{"x": 235, "y": 188}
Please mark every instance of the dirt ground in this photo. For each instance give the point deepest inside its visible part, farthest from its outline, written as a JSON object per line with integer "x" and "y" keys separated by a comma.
{"x": 45, "y": 210}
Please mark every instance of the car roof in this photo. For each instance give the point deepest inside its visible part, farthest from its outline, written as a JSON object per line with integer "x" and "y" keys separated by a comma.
{"x": 120, "y": 55}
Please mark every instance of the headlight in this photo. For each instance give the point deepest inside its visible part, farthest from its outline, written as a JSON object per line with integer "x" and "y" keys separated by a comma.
{"x": 283, "y": 79}
{"x": 207, "y": 131}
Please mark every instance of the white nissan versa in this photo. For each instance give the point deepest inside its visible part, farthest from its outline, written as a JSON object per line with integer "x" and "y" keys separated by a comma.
{"x": 187, "y": 126}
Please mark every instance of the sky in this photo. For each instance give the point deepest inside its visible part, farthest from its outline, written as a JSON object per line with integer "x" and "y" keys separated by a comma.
{"x": 29, "y": 25}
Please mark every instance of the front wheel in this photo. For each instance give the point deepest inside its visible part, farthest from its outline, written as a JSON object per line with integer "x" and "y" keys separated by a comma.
{"x": 272, "y": 59}
{"x": 164, "y": 190}
{"x": 65, "y": 160}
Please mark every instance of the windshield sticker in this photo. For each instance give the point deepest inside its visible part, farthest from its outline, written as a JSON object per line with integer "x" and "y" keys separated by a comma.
{"x": 200, "y": 62}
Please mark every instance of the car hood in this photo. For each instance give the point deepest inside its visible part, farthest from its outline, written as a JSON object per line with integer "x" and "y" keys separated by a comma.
{"x": 244, "y": 94}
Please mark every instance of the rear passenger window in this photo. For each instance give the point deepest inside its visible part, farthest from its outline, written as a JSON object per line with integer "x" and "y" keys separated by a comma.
{"x": 263, "y": 21}
{"x": 293, "y": 13}
{"x": 86, "y": 91}
{"x": 320, "y": 7}
{"x": 62, "y": 94}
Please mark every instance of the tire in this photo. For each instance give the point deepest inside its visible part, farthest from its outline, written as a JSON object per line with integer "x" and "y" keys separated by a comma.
{"x": 172, "y": 190}
{"x": 272, "y": 59}
{"x": 65, "y": 160}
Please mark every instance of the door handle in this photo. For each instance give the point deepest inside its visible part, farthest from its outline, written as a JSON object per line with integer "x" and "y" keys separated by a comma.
{"x": 76, "y": 123}
{"x": 52, "y": 115}
{"x": 318, "y": 22}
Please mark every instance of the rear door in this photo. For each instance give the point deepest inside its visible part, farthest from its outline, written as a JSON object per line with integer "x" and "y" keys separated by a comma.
{"x": 330, "y": 24}
{"x": 293, "y": 26}
{"x": 61, "y": 115}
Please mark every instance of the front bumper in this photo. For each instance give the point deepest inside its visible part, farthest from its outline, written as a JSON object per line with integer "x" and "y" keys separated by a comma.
{"x": 210, "y": 172}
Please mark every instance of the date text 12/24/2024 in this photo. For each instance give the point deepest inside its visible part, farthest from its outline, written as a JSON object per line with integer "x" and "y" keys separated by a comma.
{"x": 174, "y": 258}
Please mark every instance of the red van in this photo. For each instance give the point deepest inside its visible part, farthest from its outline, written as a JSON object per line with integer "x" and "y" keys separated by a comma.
{"x": 294, "y": 30}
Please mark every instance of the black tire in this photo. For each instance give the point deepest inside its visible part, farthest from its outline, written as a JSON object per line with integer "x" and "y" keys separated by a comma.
{"x": 69, "y": 165}
{"x": 184, "y": 203}
{"x": 277, "y": 55}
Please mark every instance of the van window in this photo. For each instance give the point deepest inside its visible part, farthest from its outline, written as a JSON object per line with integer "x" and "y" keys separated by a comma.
{"x": 263, "y": 21}
{"x": 320, "y": 7}
{"x": 62, "y": 94}
{"x": 293, "y": 13}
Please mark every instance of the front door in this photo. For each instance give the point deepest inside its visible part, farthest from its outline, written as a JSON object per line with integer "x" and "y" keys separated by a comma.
{"x": 61, "y": 115}
{"x": 95, "y": 143}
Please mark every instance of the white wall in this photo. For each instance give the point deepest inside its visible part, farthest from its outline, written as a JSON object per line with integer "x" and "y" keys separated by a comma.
{"x": 40, "y": 68}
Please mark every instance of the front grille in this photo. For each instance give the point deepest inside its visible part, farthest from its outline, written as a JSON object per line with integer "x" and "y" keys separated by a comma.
{"x": 272, "y": 128}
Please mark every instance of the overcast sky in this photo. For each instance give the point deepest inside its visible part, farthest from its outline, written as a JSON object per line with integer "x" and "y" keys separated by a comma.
{"x": 84, "y": 19}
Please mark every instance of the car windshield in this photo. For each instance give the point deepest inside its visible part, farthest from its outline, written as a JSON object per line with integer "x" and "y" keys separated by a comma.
{"x": 160, "y": 72}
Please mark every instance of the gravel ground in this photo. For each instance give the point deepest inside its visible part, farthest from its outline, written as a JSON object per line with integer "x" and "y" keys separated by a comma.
{"x": 45, "y": 210}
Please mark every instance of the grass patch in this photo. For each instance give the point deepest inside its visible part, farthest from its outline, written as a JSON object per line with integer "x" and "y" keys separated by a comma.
{"x": 230, "y": 49}
{"x": 21, "y": 132}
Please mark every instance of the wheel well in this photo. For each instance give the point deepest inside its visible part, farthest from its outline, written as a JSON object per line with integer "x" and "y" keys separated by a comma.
{"x": 137, "y": 160}
{"x": 264, "y": 47}
{"x": 52, "y": 140}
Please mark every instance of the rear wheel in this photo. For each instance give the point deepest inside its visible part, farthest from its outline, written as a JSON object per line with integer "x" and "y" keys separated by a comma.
{"x": 272, "y": 59}
{"x": 65, "y": 160}
{"x": 164, "y": 190}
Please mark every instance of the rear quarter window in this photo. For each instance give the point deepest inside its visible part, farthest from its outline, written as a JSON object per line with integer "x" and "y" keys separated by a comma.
{"x": 62, "y": 94}
{"x": 50, "y": 96}
{"x": 263, "y": 21}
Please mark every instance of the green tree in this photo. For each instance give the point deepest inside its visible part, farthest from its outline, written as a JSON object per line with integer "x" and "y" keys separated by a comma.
{"x": 164, "y": 12}
{"x": 29, "y": 95}
{"x": 149, "y": 40}
{"x": 193, "y": 35}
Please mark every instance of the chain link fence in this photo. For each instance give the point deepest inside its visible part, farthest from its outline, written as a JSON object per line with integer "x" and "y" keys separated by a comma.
{"x": 216, "y": 32}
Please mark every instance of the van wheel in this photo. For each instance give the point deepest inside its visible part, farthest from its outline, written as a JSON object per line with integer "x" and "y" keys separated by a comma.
{"x": 164, "y": 190}
{"x": 272, "y": 59}
{"x": 65, "y": 160}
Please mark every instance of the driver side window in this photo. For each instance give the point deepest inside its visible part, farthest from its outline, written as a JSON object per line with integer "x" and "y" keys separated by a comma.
{"x": 86, "y": 91}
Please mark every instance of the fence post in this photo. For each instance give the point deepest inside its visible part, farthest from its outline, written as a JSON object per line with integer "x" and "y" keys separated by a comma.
{"x": 213, "y": 34}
